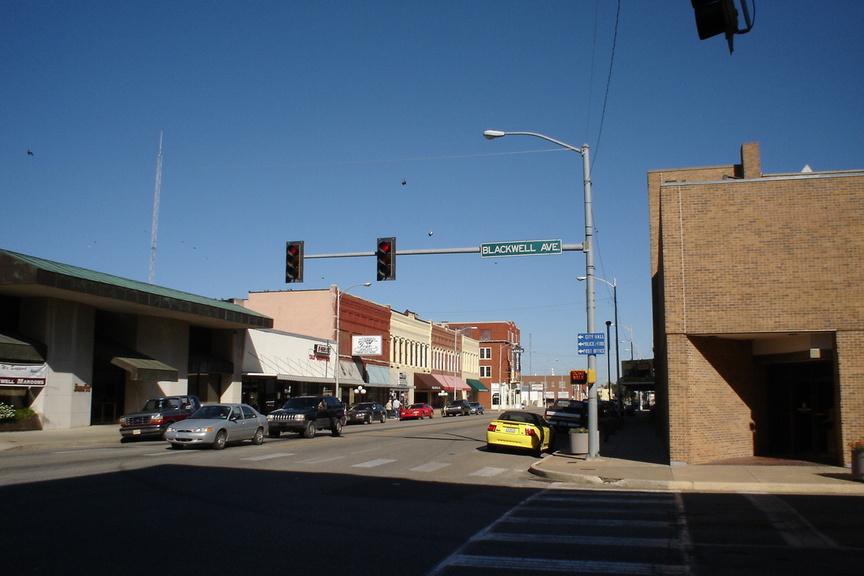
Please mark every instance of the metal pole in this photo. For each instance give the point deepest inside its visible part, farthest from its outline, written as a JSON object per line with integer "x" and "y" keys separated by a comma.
{"x": 339, "y": 333}
{"x": 593, "y": 430}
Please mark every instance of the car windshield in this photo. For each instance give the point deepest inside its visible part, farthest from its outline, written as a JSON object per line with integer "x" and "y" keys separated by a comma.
{"x": 526, "y": 417}
{"x": 415, "y": 406}
{"x": 161, "y": 404}
{"x": 300, "y": 403}
{"x": 212, "y": 413}
{"x": 365, "y": 406}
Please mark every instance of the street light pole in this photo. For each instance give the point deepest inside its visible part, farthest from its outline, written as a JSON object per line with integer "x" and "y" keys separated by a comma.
{"x": 339, "y": 334}
{"x": 614, "y": 286}
{"x": 457, "y": 354}
{"x": 588, "y": 248}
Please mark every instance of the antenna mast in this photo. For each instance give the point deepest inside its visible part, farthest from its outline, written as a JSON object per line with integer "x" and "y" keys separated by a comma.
{"x": 155, "y": 227}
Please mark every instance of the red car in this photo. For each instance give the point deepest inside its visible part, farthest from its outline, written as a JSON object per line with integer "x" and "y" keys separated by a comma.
{"x": 419, "y": 411}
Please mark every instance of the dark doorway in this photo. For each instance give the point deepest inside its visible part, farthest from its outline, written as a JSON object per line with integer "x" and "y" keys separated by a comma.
{"x": 801, "y": 411}
{"x": 109, "y": 392}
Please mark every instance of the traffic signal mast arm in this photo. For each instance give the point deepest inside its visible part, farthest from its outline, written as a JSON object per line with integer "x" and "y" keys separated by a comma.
{"x": 474, "y": 250}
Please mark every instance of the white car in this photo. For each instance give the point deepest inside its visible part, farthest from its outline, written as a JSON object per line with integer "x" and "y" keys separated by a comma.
{"x": 218, "y": 424}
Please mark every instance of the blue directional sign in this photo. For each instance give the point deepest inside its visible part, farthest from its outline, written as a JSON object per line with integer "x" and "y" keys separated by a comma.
{"x": 591, "y": 343}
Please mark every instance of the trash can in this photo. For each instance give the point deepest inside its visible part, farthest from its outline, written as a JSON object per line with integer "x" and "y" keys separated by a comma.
{"x": 578, "y": 441}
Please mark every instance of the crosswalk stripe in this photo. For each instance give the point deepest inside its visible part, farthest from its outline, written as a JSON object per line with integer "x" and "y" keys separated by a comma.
{"x": 269, "y": 456}
{"x": 520, "y": 565}
{"x": 430, "y": 467}
{"x": 373, "y": 463}
{"x": 488, "y": 472}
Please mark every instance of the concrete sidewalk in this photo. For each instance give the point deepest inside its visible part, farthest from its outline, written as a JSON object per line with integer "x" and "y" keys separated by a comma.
{"x": 59, "y": 439}
{"x": 634, "y": 458}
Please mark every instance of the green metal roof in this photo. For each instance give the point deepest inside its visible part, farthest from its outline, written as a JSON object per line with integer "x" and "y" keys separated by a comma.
{"x": 19, "y": 271}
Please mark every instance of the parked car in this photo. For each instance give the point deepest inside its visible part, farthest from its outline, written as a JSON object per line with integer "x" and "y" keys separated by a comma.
{"x": 522, "y": 430}
{"x": 156, "y": 415}
{"x": 308, "y": 414}
{"x": 217, "y": 425}
{"x": 566, "y": 413}
{"x": 366, "y": 412}
{"x": 457, "y": 408}
{"x": 418, "y": 411}
{"x": 476, "y": 408}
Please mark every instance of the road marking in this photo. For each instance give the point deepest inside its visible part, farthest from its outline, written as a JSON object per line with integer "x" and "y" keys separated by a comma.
{"x": 794, "y": 528}
{"x": 431, "y": 467}
{"x": 531, "y": 511}
{"x": 318, "y": 460}
{"x": 373, "y": 463}
{"x": 565, "y": 566}
{"x": 488, "y": 472}
{"x": 269, "y": 456}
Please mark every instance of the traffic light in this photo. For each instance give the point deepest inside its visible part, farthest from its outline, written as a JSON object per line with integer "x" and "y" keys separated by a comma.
{"x": 386, "y": 256}
{"x": 294, "y": 261}
{"x": 715, "y": 17}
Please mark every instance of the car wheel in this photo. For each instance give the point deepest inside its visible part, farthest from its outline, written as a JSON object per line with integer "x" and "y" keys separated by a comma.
{"x": 220, "y": 440}
{"x": 368, "y": 419}
{"x": 274, "y": 433}
{"x": 309, "y": 431}
{"x": 258, "y": 438}
{"x": 383, "y": 418}
{"x": 336, "y": 428}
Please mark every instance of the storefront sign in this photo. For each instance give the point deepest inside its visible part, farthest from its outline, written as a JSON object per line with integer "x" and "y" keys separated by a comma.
{"x": 366, "y": 346}
{"x": 23, "y": 374}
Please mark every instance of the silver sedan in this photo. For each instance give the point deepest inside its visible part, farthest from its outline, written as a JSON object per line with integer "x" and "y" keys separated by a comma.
{"x": 218, "y": 424}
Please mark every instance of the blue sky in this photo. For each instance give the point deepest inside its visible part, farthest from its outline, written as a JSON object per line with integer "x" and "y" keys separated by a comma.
{"x": 298, "y": 120}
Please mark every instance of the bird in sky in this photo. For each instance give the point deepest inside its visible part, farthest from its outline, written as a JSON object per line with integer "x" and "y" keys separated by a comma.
{"x": 404, "y": 181}
{"x": 30, "y": 153}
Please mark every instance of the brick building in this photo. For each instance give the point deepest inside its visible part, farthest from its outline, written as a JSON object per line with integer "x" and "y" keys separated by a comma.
{"x": 758, "y": 297}
{"x": 500, "y": 365}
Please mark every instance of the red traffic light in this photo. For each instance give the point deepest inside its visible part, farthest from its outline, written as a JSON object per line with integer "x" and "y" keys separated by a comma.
{"x": 386, "y": 256}
{"x": 294, "y": 261}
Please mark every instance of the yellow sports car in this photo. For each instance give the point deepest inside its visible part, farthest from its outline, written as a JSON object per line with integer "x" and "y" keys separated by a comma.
{"x": 518, "y": 429}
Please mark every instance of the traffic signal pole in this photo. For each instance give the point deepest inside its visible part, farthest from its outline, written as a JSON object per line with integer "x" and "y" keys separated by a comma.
{"x": 472, "y": 250}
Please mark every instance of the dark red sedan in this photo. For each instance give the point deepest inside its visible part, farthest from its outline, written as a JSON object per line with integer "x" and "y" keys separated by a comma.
{"x": 419, "y": 411}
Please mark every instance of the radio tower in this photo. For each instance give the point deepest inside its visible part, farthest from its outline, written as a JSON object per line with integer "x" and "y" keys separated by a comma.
{"x": 155, "y": 227}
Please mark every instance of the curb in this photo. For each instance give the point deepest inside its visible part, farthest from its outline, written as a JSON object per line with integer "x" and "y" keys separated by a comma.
{"x": 597, "y": 482}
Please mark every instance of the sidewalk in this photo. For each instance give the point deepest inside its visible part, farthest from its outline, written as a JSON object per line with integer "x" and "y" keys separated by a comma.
{"x": 634, "y": 458}
{"x": 59, "y": 439}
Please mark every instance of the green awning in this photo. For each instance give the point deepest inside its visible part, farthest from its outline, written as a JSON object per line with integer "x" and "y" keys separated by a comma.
{"x": 138, "y": 365}
{"x": 16, "y": 348}
{"x": 476, "y": 385}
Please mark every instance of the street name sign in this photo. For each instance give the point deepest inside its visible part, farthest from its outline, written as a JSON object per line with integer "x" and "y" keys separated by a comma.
{"x": 520, "y": 248}
{"x": 591, "y": 343}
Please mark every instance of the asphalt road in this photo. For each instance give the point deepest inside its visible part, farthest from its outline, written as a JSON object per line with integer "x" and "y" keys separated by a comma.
{"x": 409, "y": 498}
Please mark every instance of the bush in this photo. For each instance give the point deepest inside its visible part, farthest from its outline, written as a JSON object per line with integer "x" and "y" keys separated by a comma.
{"x": 24, "y": 413}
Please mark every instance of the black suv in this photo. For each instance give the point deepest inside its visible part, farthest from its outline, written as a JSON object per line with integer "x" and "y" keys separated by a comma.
{"x": 460, "y": 407}
{"x": 306, "y": 415}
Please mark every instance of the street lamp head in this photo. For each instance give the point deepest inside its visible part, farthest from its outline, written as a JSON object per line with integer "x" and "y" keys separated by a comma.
{"x": 492, "y": 134}
{"x": 367, "y": 284}
{"x": 581, "y": 278}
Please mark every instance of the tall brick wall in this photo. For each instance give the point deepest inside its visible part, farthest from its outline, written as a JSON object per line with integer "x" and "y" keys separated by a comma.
{"x": 733, "y": 253}
{"x": 850, "y": 360}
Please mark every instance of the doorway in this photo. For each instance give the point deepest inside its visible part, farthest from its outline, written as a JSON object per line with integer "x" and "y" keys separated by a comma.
{"x": 801, "y": 411}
